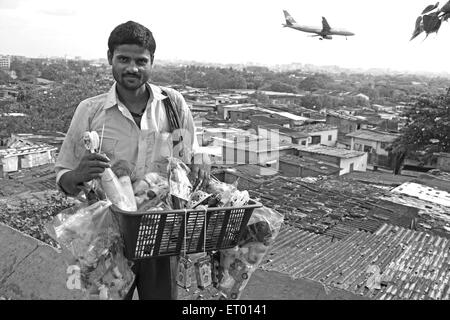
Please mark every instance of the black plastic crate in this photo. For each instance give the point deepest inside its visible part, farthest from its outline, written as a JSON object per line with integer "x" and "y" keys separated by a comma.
{"x": 162, "y": 233}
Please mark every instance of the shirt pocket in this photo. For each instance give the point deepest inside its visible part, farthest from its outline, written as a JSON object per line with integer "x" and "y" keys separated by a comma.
{"x": 109, "y": 146}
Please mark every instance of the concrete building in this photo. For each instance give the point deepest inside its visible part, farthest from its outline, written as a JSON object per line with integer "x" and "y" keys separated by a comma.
{"x": 5, "y": 62}
{"x": 374, "y": 143}
{"x": 223, "y": 110}
{"x": 23, "y": 154}
{"x": 345, "y": 124}
{"x": 443, "y": 161}
{"x": 267, "y": 119}
{"x": 320, "y": 133}
{"x": 347, "y": 160}
{"x": 295, "y": 166}
{"x": 282, "y": 134}
{"x": 259, "y": 151}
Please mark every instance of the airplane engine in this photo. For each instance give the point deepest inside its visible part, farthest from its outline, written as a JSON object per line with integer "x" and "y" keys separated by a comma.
{"x": 328, "y": 37}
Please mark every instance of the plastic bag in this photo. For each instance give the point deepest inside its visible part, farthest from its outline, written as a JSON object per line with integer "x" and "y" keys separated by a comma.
{"x": 238, "y": 264}
{"x": 179, "y": 185}
{"x": 115, "y": 192}
{"x": 151, "y": 191}
{"x": 90, "y": 238}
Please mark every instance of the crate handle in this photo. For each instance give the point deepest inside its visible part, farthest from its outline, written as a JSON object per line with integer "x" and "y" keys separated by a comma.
{"x": 185, "y": 233}
{"x": 204, "y": 231}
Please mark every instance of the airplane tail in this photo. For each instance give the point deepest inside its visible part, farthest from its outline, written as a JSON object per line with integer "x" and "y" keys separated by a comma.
{"x": 289, "y": 20}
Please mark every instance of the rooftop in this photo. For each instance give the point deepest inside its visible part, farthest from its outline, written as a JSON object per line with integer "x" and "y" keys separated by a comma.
{"x": 391, "y": 263}
{"x": 331, "y": 151}
{"x": 373, "y": 135}
{"x": 310, "y": 163}
{"x": 259, "y": 145}
{"x": 286, "y": 131}
{"x": 358, "y": 119}
{"x": 315, "y": 128}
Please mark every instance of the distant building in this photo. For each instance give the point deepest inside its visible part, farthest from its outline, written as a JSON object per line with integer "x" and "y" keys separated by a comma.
{"x": 223, "y": 110}
{"x": 259, "y": 151}
{"x": 443, "y": 161}
{"x": 320, "y": 133}
{"x": 22, "y": 154}
{"x": 345, "y": 125}
{"x": 266, "y": 119}
{"x": 282, "y": 134}
{"x": 347, "y": 160}
{"x": 375, "y": 144}
{"x": 296, "y": 166}
{"x": 5, "y": 62}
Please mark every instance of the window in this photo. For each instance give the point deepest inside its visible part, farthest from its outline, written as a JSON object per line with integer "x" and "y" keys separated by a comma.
{"x": 304, "y": 143}
{"x": 315, "y": 139}
{"x": 367, "y": 149}
{"x": 330, "y": 137}
{"x": 383, "y": 145}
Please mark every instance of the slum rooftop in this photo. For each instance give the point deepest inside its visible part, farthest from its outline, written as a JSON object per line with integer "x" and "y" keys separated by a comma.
{"x": 373, "y": 135}
{"x": 311, "y": 163}
{"x": 331, "y": 151}
{"x": 283, "y": 130}
{"x": 348, "y": 233}
{"x": 309, "y": 128}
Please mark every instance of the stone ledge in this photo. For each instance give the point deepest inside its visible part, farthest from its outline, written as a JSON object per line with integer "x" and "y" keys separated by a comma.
{"x": 31, "y": 269}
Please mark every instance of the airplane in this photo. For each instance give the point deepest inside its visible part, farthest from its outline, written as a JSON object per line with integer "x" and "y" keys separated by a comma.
{"x": 325, "y": 32}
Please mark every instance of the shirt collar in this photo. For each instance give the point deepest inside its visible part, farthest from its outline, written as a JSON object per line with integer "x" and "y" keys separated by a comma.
{"x": 111, "y": 97}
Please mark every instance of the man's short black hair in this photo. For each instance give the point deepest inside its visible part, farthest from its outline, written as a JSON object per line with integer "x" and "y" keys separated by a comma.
{"x": 132, "y": 33}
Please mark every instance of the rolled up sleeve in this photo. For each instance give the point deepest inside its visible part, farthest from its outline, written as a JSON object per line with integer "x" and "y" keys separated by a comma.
{"x": 72, "y": 149}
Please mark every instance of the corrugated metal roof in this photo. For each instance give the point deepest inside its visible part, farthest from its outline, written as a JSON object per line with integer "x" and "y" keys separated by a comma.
{"x": 331, "y": 151}
{"x": 412, "y": 265}
{"x": 373, "y": 135}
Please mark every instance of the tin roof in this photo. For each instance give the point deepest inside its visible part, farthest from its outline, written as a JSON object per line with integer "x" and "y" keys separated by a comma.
{"x": 392, "y": 263}
{"x": 373, "y": 135}
{"x": 331, "y": 151}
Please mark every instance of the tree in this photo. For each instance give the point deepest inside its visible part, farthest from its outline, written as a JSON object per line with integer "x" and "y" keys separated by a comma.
{"x": 4, "y": 77}
{"x": 427, "y": 130}
{"x": 431, "y": 18}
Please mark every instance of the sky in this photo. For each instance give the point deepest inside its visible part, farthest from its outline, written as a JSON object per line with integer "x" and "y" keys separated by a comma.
{"x": 231, "y": 31}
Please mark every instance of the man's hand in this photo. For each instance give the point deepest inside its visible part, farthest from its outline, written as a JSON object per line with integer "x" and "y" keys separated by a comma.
{"x": 200, "y": 170}
{"x": 91, "y": 166}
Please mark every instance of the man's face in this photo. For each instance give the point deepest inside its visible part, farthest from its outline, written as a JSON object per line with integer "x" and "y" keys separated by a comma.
{"x": 131, "y": 65}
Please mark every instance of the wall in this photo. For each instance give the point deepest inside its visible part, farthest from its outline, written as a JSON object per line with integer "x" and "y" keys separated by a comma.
{"x": 324, "y": 137}
{"x": 274, "y": 135}
{"x": 359, "y": 164}
{"x": 322, "y": 157}
{"x": 443, "y": 162}
{"x": 374, "y": 144}
{"x": 10, "y": 164}
{"x": 294, "y": 170}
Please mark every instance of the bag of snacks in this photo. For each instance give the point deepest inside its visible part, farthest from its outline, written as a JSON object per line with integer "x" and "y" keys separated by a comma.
{"x": 180, "y": 188}
{"x": 238, "y": 264}
{"x": 90, "y": 238}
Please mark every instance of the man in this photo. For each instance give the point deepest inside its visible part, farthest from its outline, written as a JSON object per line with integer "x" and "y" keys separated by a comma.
{"x": 133, "y": 124}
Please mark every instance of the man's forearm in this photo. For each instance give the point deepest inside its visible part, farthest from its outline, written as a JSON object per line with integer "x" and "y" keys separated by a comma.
{"x": 70, "y": 183}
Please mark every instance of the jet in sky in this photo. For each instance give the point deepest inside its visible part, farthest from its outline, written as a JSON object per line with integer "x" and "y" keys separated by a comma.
{"x": 326, "y": 32}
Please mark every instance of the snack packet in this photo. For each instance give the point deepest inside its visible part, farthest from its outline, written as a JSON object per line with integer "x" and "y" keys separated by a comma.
{"x": 91, "y": 241}
{"x": 238, "y": 264}
{"x": 180, "y": 187}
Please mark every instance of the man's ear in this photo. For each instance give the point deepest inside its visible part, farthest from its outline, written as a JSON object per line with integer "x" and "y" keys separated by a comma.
{"x": 110, "y": 56}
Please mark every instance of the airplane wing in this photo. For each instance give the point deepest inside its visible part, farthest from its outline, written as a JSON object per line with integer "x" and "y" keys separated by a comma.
{"x": 325, "y": 26}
